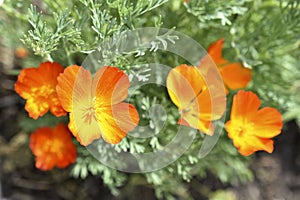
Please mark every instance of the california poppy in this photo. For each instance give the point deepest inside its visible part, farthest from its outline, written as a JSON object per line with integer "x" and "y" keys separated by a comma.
{"x": 52, "y": 147}
{"x": 37, "y": 86}
{"x": 197, "y": 105}
{"x": 21, "y": 52}
{"x": 95, "y": 106}
{"x": 234, "y": 75}
{"x": 251, "y": 128}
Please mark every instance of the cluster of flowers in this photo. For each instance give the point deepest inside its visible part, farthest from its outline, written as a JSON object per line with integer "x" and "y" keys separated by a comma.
{"x": 96, "y": 108}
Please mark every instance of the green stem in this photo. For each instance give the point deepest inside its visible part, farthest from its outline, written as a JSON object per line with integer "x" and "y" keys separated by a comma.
{"x": 272, "y": 3}
{"x": 70, "y": 62}
{"x": 13, "y": 12}
{"x": 49, "y": 58}
{"x": 292, "y": 114}
{"x": 14, "y": 72}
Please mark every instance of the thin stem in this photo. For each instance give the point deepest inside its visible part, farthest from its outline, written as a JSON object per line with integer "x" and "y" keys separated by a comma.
{"x": 49, "y": 58}
{"x": 70, "y": 62}
{"x": 13, "y": 12}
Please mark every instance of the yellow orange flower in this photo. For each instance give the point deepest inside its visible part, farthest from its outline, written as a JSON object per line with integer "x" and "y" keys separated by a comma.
{"x": 196, "y": 104}
{"x": 95, "y": 106}
{"x": 251, "y": 128}
{"x": 52, "y": 147}
{"x": 37, "y": 86}
{"x": 234, "y": 75}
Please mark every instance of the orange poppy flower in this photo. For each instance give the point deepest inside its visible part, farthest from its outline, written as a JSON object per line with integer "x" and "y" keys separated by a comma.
{"x": 190, "y": 93}
{"x": 234, "y": 75}
{"x": 95, "y": 106}
{"x": 37, "y": 86}
{"x": 251, "y": 128}
{"x": 52, "y": 147}
{"x": 21, "y": 52}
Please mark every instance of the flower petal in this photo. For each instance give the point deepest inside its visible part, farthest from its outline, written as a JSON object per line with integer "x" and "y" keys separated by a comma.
{"x": 52, "y": 147}
{"x": 253, "y": 144}
{"x": 245, "y": 105}
{"x": 55, "y": 106}
{"x": 268, "y": 123}
{"x": 37, "y": 107}
{"x": 191, "y": 94}
{"x": 44, "y": 163}
{"x": 66, "y": 147}
{"x": 215, "y": 52}
{"x": 74, "y": 88}
{"x": 65, "y": 86}
{"x": 243, "y": 148}
{"x": 110, "y": 86}
{"x": 250, "y": 128}
{"x": 49, "y": 72}
{"x": 235, "y": 76}
{"x": 37, "y": 140}
{"x": 37, "y": 86}
{"x": 116, "y": 121}
{"x": 212, "y": 103}
{"x": 85, "y": 131}
{"x": 191, "y": 121}
{"x": 75, "y": 92}
{"x": 184, "y": 84}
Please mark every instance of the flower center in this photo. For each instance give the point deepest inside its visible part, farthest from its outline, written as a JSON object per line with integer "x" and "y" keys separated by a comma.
{"x": 88, "y": 115}
{"x": 240, "y": 131}
{"x": 57, "y": 146}
{"x": 44, "y": 91}
{"x": 247, "y": 128}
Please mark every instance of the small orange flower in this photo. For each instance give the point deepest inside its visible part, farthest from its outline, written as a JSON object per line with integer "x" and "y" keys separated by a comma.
{"x": 52, "y": 147}
{"x": 190, "y": 93}
{"x": 251, "y": 128}
{"x": 95, "y": 106}
{"x": 37, "y": 86}
{"x": 21, "y": 52}
{"x": 234, "y": 75}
